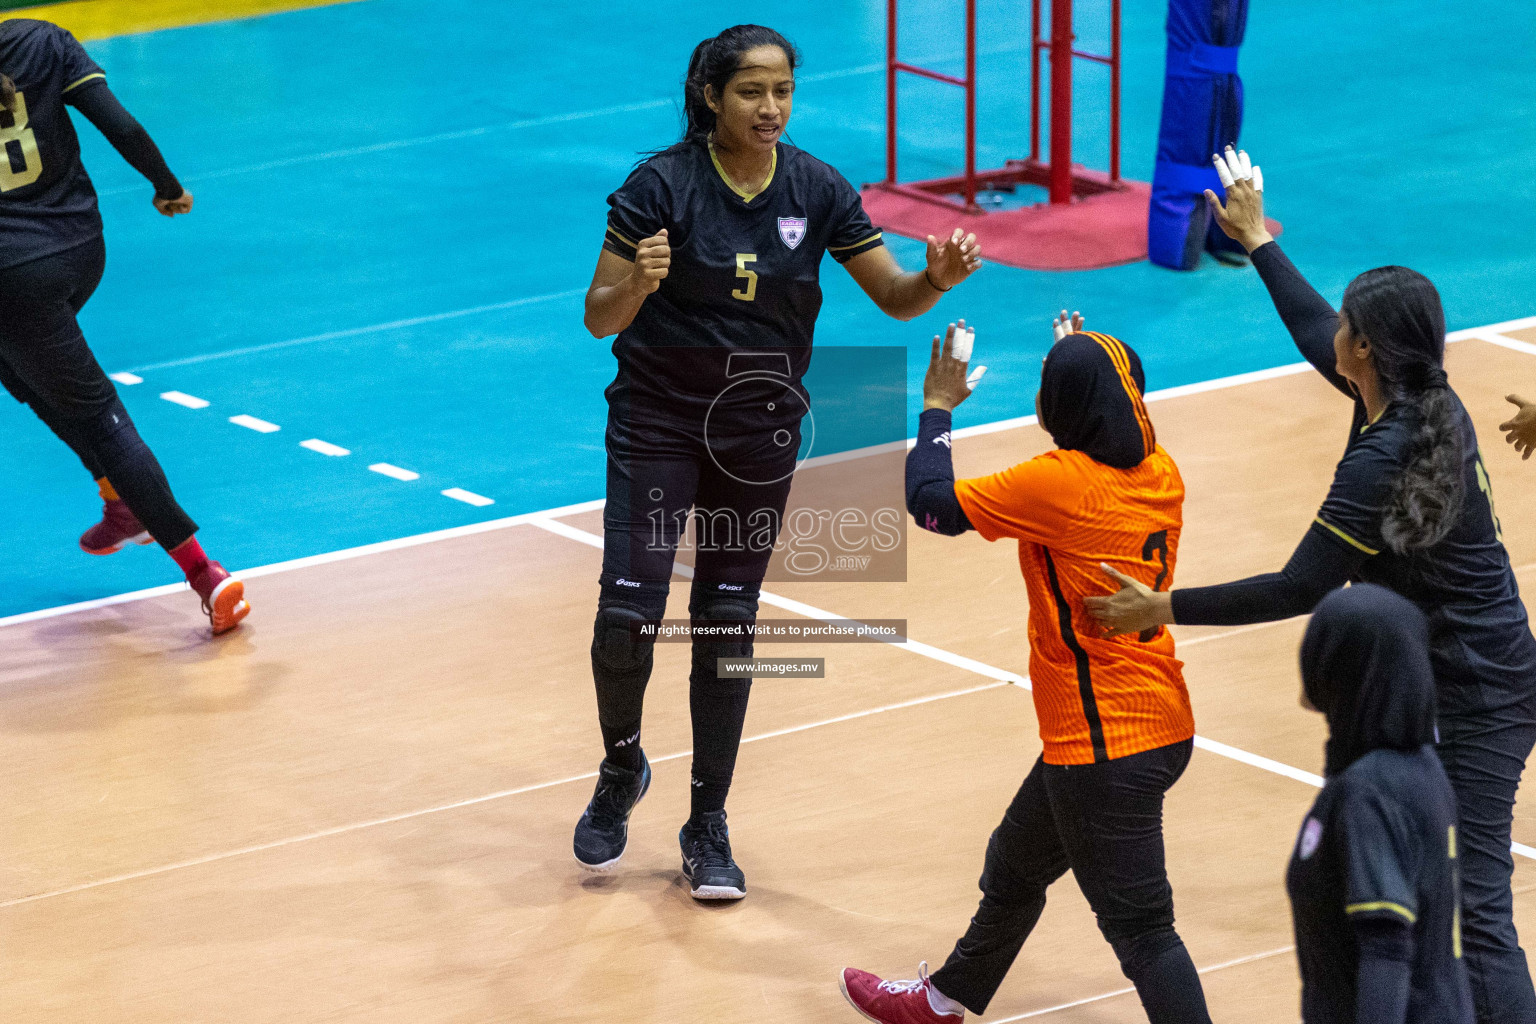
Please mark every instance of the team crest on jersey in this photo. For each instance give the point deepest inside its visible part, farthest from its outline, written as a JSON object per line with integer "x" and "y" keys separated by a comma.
{"x": 1311, "y": 835}
{"x": 792, "y": 230}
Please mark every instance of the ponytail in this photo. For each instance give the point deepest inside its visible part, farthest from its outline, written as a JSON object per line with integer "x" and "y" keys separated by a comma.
{"x": 1399, "y": 312}
{"x": 7, "y": 93}
{"x": 713, "y": 63}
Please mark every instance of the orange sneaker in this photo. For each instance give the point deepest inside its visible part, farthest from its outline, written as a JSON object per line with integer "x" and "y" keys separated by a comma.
{"x": 223, "y": 597}
{"x": 117, "y": 528}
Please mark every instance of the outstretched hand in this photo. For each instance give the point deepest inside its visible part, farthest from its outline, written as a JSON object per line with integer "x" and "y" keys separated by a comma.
{"x": 1064, "y": 325}
{"x": 1242, "y": 216}
{"x": 1134, "y": 608}
{"x": 1520, "y": 429}
{"x": 945, "y": 386}
{"x": 952, "y": 260}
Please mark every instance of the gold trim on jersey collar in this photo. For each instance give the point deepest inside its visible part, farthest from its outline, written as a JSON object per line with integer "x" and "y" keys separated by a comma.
{"x": 746, "y": 197}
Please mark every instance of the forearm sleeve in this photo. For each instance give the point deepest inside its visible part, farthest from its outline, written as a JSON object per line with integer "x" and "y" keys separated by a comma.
{"x": 1384, "y": 973}
{"x": 97, "y": 102}
{"x": 931, "y": 477}
{"x": 1319, "y": 564}
{"x": 1306, "y": 314}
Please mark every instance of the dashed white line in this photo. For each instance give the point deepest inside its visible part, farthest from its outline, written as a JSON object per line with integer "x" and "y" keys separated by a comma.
{"x": 468, "y": 497}
{"x": 126, "y": 378}
{"x": 252, "y": 423}
{"x": 394, "y": 472}
{"x": 182, "y": 398}
{"x": 314, "y": 444}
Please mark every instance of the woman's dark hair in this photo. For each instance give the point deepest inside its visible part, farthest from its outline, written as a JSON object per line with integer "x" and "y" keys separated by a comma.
{"x": 7, "y": 92}
{"x": 713, "y": 63}
{"x": 1398, "y": 311}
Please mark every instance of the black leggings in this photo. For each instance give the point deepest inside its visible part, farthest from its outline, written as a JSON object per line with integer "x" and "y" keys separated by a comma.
{"x": 736, "y": 486}
{"x": 1484, "y": 753}
{"x": 1105, "y": 822}
{"x": 46, "y": 364}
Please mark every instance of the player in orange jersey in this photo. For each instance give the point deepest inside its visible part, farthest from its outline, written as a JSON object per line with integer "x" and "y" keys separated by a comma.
{"x": 1114, "y": 714}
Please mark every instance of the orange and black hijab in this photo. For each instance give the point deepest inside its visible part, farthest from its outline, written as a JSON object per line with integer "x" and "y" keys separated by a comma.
{"x": 1091, "y": 400}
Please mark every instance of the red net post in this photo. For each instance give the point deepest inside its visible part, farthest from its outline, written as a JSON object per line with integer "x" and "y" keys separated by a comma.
{"x": 1061, "y": 101}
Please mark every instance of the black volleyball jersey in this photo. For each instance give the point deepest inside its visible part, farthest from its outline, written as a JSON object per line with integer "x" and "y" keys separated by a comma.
{"x": 743, "y": 290}
{"x": 47, "y": 203}
{"x": 1480, "y": 640}
{"x": 1380, "y": 842}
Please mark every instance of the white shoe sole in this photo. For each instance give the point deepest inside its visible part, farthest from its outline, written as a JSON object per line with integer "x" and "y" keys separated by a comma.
{"x": 842, "y": 983}
{"x": 718, "y": 892}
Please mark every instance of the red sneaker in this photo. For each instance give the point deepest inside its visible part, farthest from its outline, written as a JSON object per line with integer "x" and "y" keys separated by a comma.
{"x": 893, "y": 1002}
{"x": 223, "y": 597}
{"x": 118, "y": 527}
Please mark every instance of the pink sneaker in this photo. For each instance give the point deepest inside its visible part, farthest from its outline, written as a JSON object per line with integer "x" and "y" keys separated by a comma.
{"x": 118, "y": 527}
{"x": 894, "y": 1002}
{"x": 223, "y": 597}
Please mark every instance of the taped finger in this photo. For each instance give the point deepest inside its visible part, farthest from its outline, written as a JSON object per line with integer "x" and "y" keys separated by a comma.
{"x": 1244, "y": 163}
{"x": 1258, "y": 179}
{"x": 1221, "y": 171}
{"x": 1234, "y": 165}
{"x": 975, "y": 377}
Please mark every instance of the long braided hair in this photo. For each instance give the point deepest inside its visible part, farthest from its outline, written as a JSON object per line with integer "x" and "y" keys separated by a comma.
{"x": 1399, "y": 311}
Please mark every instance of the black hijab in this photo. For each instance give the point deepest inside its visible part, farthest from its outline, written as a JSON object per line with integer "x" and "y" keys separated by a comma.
{"x": 1365, "y": 664}
{"x": 1090, "y": 400}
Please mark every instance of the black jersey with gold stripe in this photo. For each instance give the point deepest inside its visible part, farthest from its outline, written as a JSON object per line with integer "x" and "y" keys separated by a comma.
{"x": 47, "y": 203}
{"x": 745, "y": 268}
{"x": 1480, "y": 640}
{"x": 1380, "y": 842}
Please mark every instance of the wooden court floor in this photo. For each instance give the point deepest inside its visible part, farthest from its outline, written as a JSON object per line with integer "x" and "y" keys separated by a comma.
{"x": 359, "y": 807}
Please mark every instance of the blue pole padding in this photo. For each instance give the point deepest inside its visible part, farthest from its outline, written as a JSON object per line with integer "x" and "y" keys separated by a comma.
{"x": 1202, "y": 112}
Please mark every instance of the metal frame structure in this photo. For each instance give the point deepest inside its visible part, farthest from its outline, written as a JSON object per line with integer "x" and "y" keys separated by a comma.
{"x": 1058, "y": 173}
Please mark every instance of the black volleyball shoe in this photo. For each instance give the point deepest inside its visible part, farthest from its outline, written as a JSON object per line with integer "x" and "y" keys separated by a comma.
{"x": 603, "y": 830}
{"x": 707, "y": 863}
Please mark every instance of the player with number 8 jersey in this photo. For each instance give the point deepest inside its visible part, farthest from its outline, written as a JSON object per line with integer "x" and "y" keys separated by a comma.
{"x": 52, "y": 257}
{"x": 709, "y": 276}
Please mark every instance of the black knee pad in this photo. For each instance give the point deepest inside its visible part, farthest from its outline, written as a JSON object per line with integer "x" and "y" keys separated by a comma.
{"x": 620, "y": 649}
{"x": 723, "y": 602}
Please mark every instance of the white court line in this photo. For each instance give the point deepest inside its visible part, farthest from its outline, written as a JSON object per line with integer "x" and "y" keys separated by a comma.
{"x": 457, "y": 804}
{"x": 1250, "y": 958}
{"x": 468, "y": 497}
{"x": 364, "y": 550}
{"x": 307, "y": 562}
{"x": 1494, "y": 338}
{"x": 981, "y": 668}
{"x": 394, "y": 472}
{"x": 532, "y": 122}
{"x": 181, "y": 398}
{"x": 353, "y": 332}
{"x": 314, "y": 444}
{"x": 126, "y": 378}
{"x": 252, "y": 423}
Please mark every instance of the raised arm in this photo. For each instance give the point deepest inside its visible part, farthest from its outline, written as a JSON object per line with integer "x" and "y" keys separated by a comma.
{"x": 906, "y": 295}
{"x": 101, "y": 107}
{"x": 1306, "y": 314}
{"x": 931, "y": 497}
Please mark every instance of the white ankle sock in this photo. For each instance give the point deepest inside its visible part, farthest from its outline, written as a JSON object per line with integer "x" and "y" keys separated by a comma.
{"x": 938, "y": 1002}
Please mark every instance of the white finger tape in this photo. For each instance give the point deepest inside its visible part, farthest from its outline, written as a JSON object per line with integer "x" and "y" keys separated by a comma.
{"x": 1222, "y": 172}
{"x": 964, "y": 340}
{"x": 1244, "y": 164}
{"x": 1258, "y": 179}
{"x": 975, "y": 377}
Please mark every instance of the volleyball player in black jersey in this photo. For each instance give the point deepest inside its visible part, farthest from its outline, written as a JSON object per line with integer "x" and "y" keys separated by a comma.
{"x": 51, "y": 259}
{"x": 1411, "y": 509}
{"x": 709, "y": 277}
{"x": 1372, "y": 879}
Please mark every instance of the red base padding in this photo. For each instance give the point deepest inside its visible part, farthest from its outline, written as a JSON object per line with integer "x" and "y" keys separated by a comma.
{"x": 1103, "y": 230}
